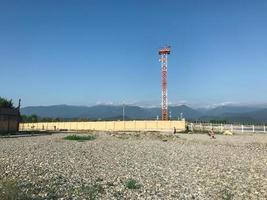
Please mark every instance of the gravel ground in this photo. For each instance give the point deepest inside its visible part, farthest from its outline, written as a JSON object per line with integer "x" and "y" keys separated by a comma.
{"x": 185, "y": 166}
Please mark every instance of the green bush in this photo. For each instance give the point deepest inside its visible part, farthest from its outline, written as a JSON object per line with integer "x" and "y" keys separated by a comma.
{"x": 93, "y": 191}
{"x": 29, "y": 118}
{"x": 10, "y": 190}
{"x": 132, "y": 184}
{"x": 227, "y": 194}
{"x": 79, "y": 137}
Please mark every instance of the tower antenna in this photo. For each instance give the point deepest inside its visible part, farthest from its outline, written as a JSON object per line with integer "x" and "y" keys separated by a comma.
{"x": 163, "y": 52}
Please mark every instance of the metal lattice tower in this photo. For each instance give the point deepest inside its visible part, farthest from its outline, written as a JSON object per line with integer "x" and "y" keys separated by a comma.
{"x": 164, "y": 101}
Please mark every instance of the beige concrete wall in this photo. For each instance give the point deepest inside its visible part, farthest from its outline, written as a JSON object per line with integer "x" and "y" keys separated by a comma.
{"x": 106, "y": 126}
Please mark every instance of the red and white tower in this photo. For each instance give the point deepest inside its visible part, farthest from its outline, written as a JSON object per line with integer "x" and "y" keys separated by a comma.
{"x": 164, "y": 101}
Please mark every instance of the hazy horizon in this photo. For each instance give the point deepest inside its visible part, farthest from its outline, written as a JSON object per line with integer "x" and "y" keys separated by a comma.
{"x": 194, "y": 106}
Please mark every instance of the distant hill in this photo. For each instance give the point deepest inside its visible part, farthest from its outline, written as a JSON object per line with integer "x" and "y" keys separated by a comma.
{"x": 239, "y": 114}
{"x": 188, "y": 112}
{"x": 114, "y": 112}
{"x": 220, "y": 110}
{"x": 258, "y": 116}
{"x": 106, "y": 112}
{"x": 61, "y": 111}
{"x": 109, "y": 112}
{"x": 233, "y": 118}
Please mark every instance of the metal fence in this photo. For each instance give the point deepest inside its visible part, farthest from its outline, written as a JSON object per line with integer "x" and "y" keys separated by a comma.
{"x": 235, "y": 128}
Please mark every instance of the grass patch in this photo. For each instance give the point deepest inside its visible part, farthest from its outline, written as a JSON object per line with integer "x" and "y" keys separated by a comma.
{"x": 93, "y": 191}
{"x": 132, "y": 184}
{"x": 10, "y": 190}
{"x": 227, "y": 194}
{"x": 79, "y": 137}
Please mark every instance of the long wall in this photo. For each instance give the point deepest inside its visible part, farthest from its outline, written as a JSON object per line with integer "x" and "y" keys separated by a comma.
{"x": 106, "y": 126}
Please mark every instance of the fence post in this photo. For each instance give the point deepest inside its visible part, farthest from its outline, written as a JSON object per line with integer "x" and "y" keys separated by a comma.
{"x": 253, "y": 128}
{"x": 221, "y": 128}
{"x": 264, "y": 129}
{"x": 242, "y": 127}
{"x": 192, "y": 127}
{"x": 232, "y": 128}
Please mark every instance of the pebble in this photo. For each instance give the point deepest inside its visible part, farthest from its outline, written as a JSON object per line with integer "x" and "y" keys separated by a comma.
{"x": 186, "y": 166}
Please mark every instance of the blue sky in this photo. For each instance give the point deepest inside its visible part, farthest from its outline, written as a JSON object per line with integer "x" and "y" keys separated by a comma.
{"x": 85, "y": 52}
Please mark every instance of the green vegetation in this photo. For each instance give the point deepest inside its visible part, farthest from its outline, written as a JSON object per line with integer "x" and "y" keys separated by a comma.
{"x": 213, "y": 121}
{"x": 10, "y": 190}
{"x": 132, "y": 184}
{"x": 29, "y": 119}
{"x": 79, "y": 137}
{"x": 4, "y": 103}
{"x": 93, "y": 191}
{"x": 35, "y": 118}
{"x": 227, "y": 194}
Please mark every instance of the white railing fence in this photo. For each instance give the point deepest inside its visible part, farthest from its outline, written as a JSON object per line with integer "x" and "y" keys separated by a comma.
{"x": 235, "y": 128}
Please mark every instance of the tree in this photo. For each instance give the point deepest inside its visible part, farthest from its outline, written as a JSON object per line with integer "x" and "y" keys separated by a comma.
{"x": 30, "y": 118}
{"x": 4, "y": 103}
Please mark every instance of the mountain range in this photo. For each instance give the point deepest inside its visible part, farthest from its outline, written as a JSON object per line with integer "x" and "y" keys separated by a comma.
{"x": 248, "y": 114}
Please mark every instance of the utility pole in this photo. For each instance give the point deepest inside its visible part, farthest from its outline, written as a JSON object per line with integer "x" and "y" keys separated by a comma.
{"x": 123, "y": 112}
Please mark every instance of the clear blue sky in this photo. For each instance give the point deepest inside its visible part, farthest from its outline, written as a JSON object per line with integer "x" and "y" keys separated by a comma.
{"x": 83, "y": 52}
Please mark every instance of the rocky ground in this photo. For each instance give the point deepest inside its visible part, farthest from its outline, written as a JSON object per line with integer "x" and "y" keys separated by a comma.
{"x": 185, "y": 166}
